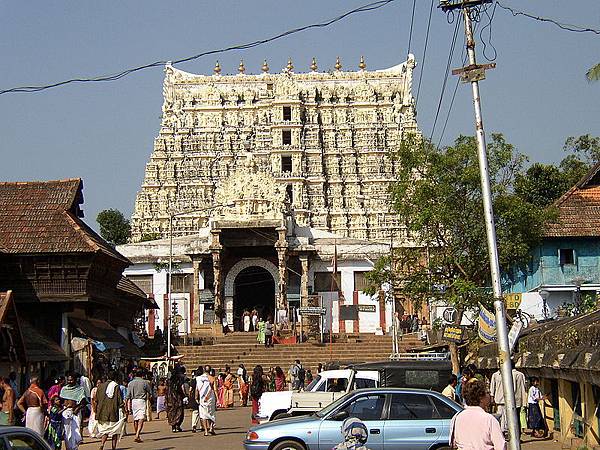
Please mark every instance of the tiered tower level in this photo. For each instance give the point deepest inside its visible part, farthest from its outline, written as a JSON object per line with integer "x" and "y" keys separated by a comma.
{"x": 326, "y": 137}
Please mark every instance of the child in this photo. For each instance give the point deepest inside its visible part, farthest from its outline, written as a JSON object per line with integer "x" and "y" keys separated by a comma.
{"x": 54, "y": 430}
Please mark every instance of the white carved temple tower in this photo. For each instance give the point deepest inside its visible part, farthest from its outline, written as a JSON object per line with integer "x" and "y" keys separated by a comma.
{"x": 326, "y": 138}
{"x": 267, "y": 179}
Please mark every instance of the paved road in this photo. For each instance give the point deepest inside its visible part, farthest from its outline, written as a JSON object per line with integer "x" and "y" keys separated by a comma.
{"x": 232, "y": 426}
{"x": 231, "y": 429}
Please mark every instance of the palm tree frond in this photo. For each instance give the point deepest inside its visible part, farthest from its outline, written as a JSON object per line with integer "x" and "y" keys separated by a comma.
{"x": 594, "y": 73}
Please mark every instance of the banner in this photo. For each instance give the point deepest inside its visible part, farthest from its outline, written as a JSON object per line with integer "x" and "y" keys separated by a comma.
{"x": 487, "y": 325}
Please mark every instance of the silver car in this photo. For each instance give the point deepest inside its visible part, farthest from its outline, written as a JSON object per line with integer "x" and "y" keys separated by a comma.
{"x": 396, "y": 418}
{"x": 21, "y": 438}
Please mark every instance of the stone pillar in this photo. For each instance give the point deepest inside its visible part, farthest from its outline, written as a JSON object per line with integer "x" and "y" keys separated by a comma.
{"x": 304, "y": 280}
{"x": 282, "y": 256}
{"x": 215, "y": 249}
{"x": 196, "y": 297}
{"x": 304, "y": 290}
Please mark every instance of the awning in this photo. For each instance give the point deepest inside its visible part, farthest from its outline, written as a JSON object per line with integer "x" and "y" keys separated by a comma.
{"x": 40, "y": 347}
{"x": 104, "y": 336}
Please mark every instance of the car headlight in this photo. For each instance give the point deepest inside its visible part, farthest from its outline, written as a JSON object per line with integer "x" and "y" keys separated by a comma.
{"x": 252, "y": 436}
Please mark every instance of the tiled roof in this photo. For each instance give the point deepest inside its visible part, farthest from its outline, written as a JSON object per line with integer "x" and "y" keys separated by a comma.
{"x": 578, "y": 209}
{"x": 40, "y": 347}
{"x": 44, "y": 217}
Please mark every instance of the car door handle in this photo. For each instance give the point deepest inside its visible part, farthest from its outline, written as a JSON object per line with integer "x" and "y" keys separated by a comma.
{"x": 430, "y": 430}
{"x": 375, "y": 431}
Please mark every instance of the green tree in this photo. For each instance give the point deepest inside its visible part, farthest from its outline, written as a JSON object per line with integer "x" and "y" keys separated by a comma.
{"x": 114, "y": 227}
{"x": 584, "y": 153}
{"x": 438, "y": 196}
{"x": 541, "y": 184}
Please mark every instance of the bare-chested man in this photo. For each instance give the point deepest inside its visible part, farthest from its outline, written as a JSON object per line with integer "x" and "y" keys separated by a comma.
{"x": 7, "y": 409}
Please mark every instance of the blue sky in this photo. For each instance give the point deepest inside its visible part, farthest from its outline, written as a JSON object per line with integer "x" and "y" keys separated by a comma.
{"x": 103, "y": 133}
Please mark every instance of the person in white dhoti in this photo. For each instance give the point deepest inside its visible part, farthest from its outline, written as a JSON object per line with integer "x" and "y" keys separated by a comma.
{"x": 138, "y": 391}
{"x": 110, "y": 411}
{"x": 33, "y": 404}
{"x": 207, "y": 403}
{"x": 74, "y": 399}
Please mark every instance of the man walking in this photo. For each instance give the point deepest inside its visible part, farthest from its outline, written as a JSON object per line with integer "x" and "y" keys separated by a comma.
{"x": 497, "y": 392}
{"x": 7, "y": 412}
{"x": 138, "y": 391}
{"x": 33, "y": 404}
{"x": 450, "y": 390}
{"x": 109, "y": 408}
{"x": 298, "y": 375}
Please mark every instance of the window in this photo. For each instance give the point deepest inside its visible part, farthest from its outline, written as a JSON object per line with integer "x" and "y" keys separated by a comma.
{"x": 324, "y": 282}
{"x": 444, "y": 410}
{"x": 23, "y": 442}
{"x": 566, "y": 256}
{"x": 287, "y": 113}
{"x": 412, "y": 407}
{"x": 182, "y": 283}
{"x": 368, "y": 407}
{"x": 144, "y": 282}
{"x": 289, "y": 193}
{"x": 286, "y": 137}
{"x": 361, "y": 383}
{"x": 286, "y": 163}
{"x": 360, "y": 282}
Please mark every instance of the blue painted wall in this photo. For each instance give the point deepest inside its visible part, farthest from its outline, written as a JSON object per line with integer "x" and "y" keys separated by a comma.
{"x": 545, "y": 268}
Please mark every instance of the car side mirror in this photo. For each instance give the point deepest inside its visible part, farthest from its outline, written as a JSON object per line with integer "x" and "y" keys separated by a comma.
{"x": 340, "y": 415}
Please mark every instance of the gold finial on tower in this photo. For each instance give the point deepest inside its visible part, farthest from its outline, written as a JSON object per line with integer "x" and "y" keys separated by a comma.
{"x": 338, "y": 64}
{"x": 362, "y": 65}
{"x": 265, "y": 66}
{"x": 289, "y": 66}
{"x": 217, "y": 69}
{"x": 241, "y": 67}
{"x": 313, "y": 65}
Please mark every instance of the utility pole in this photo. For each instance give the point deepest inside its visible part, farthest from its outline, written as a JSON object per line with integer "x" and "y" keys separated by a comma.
{"x": 473, "y": 73}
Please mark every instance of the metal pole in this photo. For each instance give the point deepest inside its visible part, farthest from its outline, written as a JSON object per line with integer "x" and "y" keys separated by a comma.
{"x": 169, "y": 282}
{"x": 501, "y": 328}
{"x": 393, "y": 284}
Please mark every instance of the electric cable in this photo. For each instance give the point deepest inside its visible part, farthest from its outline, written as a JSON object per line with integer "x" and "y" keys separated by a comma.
{"x": 561, "y": 25}
{"x": 424, "y": 54}
{"x": 412, "y": 21}
{"x": 444, "y": 83}
{"x": 106, "y": 78}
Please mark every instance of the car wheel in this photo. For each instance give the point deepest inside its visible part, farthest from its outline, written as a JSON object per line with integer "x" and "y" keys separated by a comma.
{"x": 288, "y": 445}
{"x": 281, "y": 415}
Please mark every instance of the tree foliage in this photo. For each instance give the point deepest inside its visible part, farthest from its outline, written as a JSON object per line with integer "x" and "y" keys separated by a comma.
{"x": 438, "y": 197}
{"x": 542, "y": 184}
{"x": 594, "y": 73}
{"x": 150, "y": 237}
{"x": 114, "y": 227}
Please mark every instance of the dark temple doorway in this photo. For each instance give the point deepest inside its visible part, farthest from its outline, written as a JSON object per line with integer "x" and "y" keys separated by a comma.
{"x": 254, "y": 288}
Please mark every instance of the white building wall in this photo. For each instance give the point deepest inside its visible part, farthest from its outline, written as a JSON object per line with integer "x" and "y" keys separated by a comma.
{"x": 159, "y": 286}
{"x": 368, "y": 321}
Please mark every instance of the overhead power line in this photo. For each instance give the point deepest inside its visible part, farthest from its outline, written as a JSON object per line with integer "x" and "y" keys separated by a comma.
{"x": 424, "y": 53}
{"x": 562, "y": 25}
{"x": 105, "y": 78}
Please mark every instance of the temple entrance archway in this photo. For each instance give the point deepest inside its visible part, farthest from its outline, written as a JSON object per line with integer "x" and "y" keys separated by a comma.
{"x": 251, "y": 284}
{"x": 254, "y": 288}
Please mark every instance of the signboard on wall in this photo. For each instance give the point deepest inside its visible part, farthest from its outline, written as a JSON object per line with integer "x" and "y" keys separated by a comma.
{"x": 348, "y": 312}
{"x": 311, "y": 311}
{"x": 366, "y": 308}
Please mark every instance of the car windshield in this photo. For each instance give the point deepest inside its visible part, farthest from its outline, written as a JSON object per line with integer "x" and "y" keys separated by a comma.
{"x": 332, "y": 406}
{"x": 313, "y": 383}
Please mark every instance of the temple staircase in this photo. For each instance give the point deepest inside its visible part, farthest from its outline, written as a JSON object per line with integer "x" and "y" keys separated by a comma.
{"x": 243, "y": 348}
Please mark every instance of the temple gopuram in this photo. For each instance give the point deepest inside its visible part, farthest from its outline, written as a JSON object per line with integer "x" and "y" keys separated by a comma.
{"x": 266, "y": 183}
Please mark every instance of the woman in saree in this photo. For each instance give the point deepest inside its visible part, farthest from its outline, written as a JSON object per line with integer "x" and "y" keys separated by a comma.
{"x": 175, "y": 395}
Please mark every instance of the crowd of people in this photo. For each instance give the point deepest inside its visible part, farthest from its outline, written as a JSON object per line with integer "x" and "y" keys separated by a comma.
{"x": 58, "y": 408}
{"x": 485, "y": 408}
